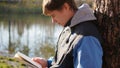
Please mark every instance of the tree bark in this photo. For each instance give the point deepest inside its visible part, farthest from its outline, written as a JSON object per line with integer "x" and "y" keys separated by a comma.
{"x": 108, "y": 15}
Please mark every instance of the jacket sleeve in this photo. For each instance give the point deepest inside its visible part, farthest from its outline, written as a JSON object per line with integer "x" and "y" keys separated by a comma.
{"x": 88, "y": 53}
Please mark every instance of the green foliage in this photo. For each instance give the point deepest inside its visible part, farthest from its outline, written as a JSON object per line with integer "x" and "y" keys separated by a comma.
{"x": 24, "y": 6}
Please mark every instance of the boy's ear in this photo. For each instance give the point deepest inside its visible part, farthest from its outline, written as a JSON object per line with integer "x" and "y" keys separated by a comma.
{"x": 66, "y": 6}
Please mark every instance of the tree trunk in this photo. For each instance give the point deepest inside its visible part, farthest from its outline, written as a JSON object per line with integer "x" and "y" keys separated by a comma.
{"x": 108, "y": 15}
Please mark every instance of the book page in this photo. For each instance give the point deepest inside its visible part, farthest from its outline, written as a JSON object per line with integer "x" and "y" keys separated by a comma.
{"x": 27, "y": 59}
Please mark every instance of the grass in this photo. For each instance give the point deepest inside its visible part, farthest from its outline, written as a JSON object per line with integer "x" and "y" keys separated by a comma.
{"x": 7, "y": 62}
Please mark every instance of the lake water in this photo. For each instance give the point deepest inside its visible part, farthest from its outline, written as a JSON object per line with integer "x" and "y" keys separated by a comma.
{"x": 33, "y": 35}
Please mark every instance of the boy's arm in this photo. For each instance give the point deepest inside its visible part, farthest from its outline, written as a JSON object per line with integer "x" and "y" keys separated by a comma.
{"x": 88, "y": 53}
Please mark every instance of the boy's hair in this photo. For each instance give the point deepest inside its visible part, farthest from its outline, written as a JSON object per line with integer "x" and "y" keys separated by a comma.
{"x": 50, "y": 5}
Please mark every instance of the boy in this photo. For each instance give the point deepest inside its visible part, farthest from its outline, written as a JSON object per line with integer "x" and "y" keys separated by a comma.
{"x": 79, "y": 44}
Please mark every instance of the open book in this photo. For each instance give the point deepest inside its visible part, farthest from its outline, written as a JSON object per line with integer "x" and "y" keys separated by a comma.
{"x": 27, "y": 60}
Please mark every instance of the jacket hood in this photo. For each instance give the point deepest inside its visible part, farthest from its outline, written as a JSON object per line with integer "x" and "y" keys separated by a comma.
{"x": 84, "y": 13}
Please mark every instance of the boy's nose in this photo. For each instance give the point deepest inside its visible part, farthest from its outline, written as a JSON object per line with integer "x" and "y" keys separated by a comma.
{"x": 53, "y": 20}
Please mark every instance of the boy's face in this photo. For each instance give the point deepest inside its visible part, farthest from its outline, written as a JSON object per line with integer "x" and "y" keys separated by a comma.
{"x": 61, "y": 16}
{"x": 58, "y": 17}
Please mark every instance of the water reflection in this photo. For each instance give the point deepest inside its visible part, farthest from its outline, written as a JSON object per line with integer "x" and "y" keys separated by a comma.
{"x": 33, "y": 35}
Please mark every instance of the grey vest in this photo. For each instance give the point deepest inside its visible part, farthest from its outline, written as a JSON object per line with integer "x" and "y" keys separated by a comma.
{"x": 69, "y": 37}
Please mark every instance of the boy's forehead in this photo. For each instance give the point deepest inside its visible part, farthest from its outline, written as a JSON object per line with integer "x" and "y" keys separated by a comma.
{"x": 49, "y": 13}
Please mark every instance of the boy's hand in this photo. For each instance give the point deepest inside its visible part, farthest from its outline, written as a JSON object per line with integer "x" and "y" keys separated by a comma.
{"x": 41, "y": 61}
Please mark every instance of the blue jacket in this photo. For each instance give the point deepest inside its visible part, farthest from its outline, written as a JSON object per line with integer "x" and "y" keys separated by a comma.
{"x": 87, "y": 52}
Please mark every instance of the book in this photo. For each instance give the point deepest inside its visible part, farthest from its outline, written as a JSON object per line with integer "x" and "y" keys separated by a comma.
{"x": 27, "y": 60}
